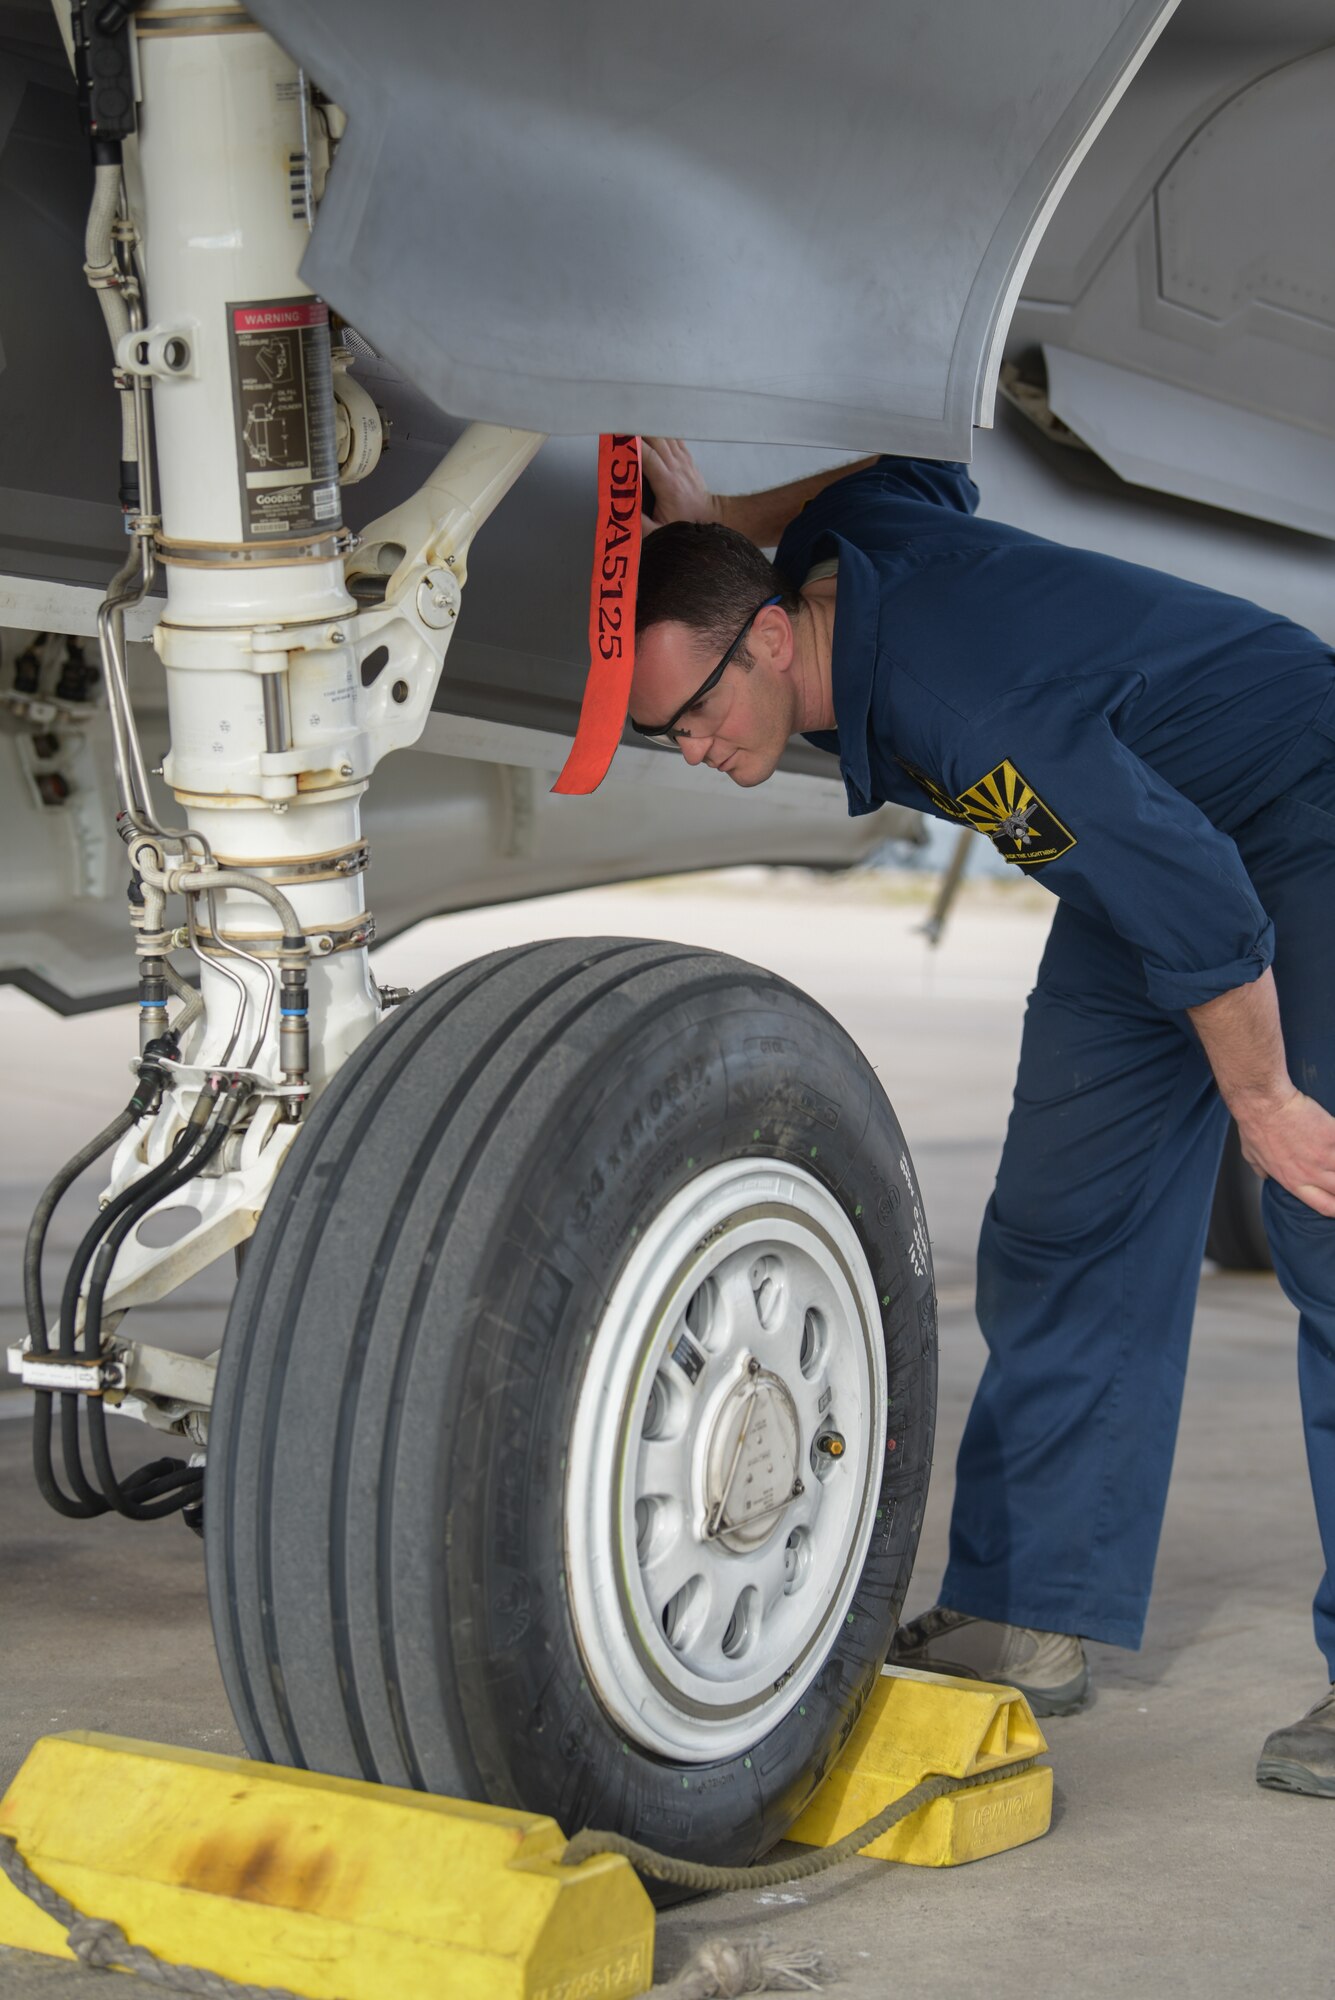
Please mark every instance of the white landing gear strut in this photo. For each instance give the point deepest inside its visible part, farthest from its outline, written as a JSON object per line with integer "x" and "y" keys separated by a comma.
{"x": 291, "y": 669}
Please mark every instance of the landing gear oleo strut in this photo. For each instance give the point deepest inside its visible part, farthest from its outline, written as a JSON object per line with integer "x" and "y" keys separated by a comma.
{"x": 573, "y": 1420}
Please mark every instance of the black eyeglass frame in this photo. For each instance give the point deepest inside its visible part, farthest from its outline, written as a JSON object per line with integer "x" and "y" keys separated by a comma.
{"x": 708, "y": 685}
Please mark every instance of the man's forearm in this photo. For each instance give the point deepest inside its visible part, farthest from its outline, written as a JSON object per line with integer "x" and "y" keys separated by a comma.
{"x": 1286, "y": 1136}
{"x": 1243, "y": 1040}
{"x": 762, "y": 517}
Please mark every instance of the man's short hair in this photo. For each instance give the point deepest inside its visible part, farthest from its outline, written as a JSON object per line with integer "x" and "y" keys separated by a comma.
{"x": 707, "y": 577}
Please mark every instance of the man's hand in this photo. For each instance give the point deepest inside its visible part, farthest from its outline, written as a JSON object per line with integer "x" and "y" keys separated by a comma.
{"x": 1292, "y": 1143}
{"x": 680, "y": 494}
{"x": 1285, "y": 1136}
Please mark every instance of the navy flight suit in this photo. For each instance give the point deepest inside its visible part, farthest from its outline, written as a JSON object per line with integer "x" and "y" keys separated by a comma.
{"x": 1162, "y": 757}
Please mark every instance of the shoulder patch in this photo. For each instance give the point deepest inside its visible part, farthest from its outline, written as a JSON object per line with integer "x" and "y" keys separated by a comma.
{"x": 1005, "y": 807}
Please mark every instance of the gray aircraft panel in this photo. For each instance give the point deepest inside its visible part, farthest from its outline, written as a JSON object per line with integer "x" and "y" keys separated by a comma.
{"x": 745, "y": 222}
{"x": 1156, "y": 433}
{"x": 1185, "y": 291}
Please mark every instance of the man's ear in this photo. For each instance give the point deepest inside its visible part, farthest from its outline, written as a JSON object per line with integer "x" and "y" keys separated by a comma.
{"x": 774, "y": 629}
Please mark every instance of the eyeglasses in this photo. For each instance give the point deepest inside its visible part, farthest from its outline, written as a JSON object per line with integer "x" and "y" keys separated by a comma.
{"x": 706, "y": 686}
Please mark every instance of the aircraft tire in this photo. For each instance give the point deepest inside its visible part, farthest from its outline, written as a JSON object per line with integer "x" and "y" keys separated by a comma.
{"x": 599, "y": 1260}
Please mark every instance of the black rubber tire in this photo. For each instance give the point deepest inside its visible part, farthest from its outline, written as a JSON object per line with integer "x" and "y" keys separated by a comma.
{"x": 384, "y": 1507}
{"x": 1237, "y": 1240}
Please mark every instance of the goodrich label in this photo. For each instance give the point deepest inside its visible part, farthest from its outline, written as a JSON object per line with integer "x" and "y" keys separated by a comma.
{"x": 283, "y": 402}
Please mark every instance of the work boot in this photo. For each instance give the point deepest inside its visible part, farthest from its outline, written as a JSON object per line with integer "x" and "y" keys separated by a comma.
{"x": 1048, "y": 1668}
{"x": 1301, "y": 1758}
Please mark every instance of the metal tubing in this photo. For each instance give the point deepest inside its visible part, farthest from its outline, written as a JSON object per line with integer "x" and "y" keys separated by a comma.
{"x": 233, "y": 979}
{"x": 262, "y": 966}
{"x": 191, "y": 879}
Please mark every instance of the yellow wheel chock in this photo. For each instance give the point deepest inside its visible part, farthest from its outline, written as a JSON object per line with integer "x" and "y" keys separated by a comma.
{"x": 341, "y": 1890}
{"x": 337, "y": 1889}
{"x": 916, "y": 1723}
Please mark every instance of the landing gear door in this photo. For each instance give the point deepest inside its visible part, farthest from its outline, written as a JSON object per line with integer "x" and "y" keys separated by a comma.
{"x": 757, "y": 222}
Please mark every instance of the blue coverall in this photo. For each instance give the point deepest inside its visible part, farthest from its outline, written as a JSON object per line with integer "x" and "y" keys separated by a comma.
{"x": 1162, "y": 757}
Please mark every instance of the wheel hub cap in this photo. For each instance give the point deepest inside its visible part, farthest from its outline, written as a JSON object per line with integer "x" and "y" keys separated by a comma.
{"x": 751, "y": 1461}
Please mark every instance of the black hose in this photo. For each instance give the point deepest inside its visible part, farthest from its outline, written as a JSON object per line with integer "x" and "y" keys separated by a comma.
{"x": 87, "y": 1501}
{"x": 87, "y": 1497}
{"x": 148, "y": 1093}
{"x": 42, "y": 1463}
{"x": 41, "y": 1222}
{"x": 174, "y": 1486}
{"x": 151, "y": 1492}
{"x": 150, "y": 1184}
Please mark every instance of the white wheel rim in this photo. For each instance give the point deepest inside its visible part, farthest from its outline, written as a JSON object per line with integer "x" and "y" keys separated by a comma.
{"x": 744, "y": 1330}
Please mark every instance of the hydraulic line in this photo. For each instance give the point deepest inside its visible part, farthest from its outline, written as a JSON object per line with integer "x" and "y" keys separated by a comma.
{"x": 262, "y": 966}
{"x": 188, "y": 1166}
{"x": 87, "y": 1497}
{"x": 255, "y": 885}
{"x": 112, "y": 270}
{"x": 166, "y": 1486}
{"x": 43, "y": 1466}
{"x": 206, "y": 882}
{"x": 226, "y": 972}
{"x": 146, "y": 1099}
{"x": 87, "y": 1500}
{"x": 184, "y": 1143}
{"x": 131, "y": 779}
{"x": 103, "y": 270}
{"x": 41, "y": 1221}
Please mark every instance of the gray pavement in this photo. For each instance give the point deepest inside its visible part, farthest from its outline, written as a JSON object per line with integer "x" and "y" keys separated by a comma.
{"x": 1167, "y": 1872}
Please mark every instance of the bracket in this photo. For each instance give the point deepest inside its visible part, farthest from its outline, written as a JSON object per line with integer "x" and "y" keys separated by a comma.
{"x": 159, "y": 353}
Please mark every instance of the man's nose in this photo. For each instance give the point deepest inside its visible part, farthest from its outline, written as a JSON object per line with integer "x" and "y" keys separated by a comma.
{"x": 693, "y": 748}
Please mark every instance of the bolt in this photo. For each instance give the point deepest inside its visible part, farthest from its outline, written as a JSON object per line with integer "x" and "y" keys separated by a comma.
{"x": 345, "y": 770}
{"x": 440, "y": 600}
{"x": 323, "y": 944}
{"x": 337, "y": 636}
{"x": 798, "y": 1489}
{"x": 753, "y": 1366}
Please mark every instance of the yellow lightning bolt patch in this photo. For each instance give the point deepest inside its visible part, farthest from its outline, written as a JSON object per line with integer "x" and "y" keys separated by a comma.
{"x": 1005, "y": 807}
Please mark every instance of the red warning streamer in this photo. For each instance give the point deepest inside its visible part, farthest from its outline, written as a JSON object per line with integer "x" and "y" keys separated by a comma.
{"x": 616, "y": 570}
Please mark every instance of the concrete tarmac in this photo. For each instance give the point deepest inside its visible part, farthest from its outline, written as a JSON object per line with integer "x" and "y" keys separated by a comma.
{"x": 1168, "y": 1871}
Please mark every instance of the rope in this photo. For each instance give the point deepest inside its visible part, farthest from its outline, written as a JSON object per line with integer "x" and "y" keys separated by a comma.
{"x": 699, "y": 1876}
{"x": 721, "y": 1970}
{"x": 105, "y": 1947}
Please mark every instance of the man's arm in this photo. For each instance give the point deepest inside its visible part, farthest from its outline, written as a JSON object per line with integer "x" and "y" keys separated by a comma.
{"x": 1285, "y": 1136}
{"x": 681, "y": 494}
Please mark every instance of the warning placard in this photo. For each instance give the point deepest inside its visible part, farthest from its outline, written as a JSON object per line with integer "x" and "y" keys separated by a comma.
{"x": 283, "y": 403}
